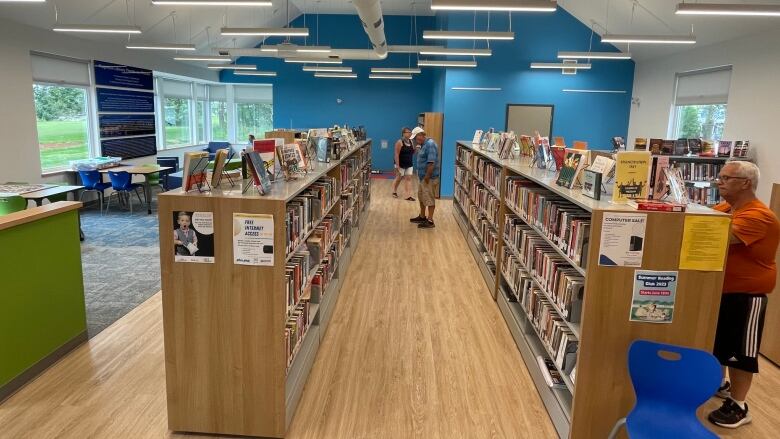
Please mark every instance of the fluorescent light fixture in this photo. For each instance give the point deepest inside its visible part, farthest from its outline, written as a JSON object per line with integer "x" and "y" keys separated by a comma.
{"x": 327, "y": 69}
{"x": 477, "y": 88}
{"x": 380, "y": 76}
{"x": 494, "y": 5}
{"x": 559, "y": 65}
{"x": 336, "y": 75}
{"x": 302, "y": 60}
{"x": 439, "y": 63}
{"x": 265, "y": 31}
{"x": 594, "y": 55}
{"x": 403, "y": 71}
{"x": 258, "y": 73}
{"x": 232, "y": 66}
{"x": 313, "y": 49}
{"x": 165, "y": 46}
{"x": 411, "y": 49}
{"x": 213, "y": 2}
{"x": 649, "y": 39}
{"x": 728, "y": 9}
{"x": 467, "y": 35}
{"x": 22, "y": 1}
{"x": 209, "y": 58}
{"x": 97, "y": 28}
{"x": 576, "y": 90}
{"x": 457, "y": 52}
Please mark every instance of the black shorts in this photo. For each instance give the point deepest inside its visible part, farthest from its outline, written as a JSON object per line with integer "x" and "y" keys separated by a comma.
{"x": 740, "y": 324}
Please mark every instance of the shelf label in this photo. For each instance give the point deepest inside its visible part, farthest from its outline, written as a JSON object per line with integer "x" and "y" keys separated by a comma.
{"x": 622, "y": 239}
{"x": 653, "y": 298}
{"x": 253, "y": 239}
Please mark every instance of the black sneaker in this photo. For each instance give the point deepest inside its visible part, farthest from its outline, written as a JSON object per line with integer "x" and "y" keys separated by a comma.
{"x": 395, "y": 195}
{"x": 427, "y": 224}
{"x": 724, "y": 391}
{"x": 730, "y": 415}
{"x": 410, "y": 199}
{"x": 418, "y": 219}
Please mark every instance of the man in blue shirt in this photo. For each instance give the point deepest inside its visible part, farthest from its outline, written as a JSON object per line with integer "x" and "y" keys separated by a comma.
{"x": 428, "y": 172}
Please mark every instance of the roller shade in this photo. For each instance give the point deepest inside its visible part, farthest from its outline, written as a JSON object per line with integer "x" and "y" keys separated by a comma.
{"x": 59, "y": 71}
{"x": 703, "y": 88}
{"x": 200, "y": 91}
{"x": 176, "y": 89}
{"x": 253, "y": 94}
{"x": 217, "y": 93}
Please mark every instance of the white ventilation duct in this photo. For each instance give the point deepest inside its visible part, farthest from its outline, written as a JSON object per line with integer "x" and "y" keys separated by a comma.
{"x": 370, "y": 13}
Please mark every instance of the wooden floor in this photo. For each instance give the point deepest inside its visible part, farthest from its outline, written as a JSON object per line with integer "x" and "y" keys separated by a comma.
{"x": 416, "y": 349}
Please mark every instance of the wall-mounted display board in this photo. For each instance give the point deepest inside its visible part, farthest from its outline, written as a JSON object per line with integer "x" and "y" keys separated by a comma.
{"x": 529, "y": 118}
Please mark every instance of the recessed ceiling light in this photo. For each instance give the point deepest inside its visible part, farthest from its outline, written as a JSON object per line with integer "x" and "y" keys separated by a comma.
{"x": 728, "y": 9}
{"x": 394, "y": 70}
{"x": 213, "y": 2}
{"x": 259, "y": 73}
{"x": 265, "y": 31}
{"x": 438, "y": 63}
{"x": 649, "y": 39}
{"x": 161, "y": 46}
{"x": 559, "y": 65}
{"x": 457, "y": 52}
{"x": 232, "y": 66}
{"x": 336, "y": 75}
{"x": 467, "y": 35}
{"x": 209, "y": 58}
{"x": 327, "y": 69}
{"x": 380, "y": 76}
{"x": 302, "y": 60}
{"x": 494, "y": 5}
{"x": 97, "y": 28}
{"x": 594, "y": 55}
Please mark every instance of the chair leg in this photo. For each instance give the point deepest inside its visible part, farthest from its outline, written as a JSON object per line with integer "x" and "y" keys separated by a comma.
{"x": 139, "y": 196}
{"x": 100, "y": 200}
{"x": 108, "y": 205}
{"x": 613, "y": 434}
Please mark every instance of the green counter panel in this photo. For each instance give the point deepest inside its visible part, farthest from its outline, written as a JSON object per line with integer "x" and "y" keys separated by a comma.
{"x": 41, "y": 292}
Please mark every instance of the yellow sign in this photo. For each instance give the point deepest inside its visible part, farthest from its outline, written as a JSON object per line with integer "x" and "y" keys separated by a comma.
{"x": 705, "y": 242}
{"x": 632, "y": 175}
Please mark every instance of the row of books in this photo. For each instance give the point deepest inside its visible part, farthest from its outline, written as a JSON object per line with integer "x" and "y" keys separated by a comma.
{"x": 328, "y": 266}
{"x": 461, "y": 196}
{"x": 294, "y": 330}
{"x": 486, "y": 171}
{"x": 699, "y": 171}
{"x": 462, "y": 176}
{"x": 705, "y": 196}
{"x": 296, "y": 276}
{"x": 705, "y": 148}
{"x": 564, "y": 285}
{"x": 485, "y": 200}
{"x": 464, "y": 156}
{"x": 305, "y": 210}
{"x": 485, "y": 230}
{"x": 564, "y": 223}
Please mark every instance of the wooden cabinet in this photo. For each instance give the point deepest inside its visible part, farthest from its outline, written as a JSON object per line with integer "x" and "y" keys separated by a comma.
{"x": 770, "y": 342}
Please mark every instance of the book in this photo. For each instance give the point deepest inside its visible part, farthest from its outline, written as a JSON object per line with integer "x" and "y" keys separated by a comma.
{"x": 602, "y": 164}
{"x": 707, "y": 149}
{"x": 477, "y": 137}
{"x": 667, "y": 147}
{"x": 571, "y": 168}
{"x": 655, "y": 146}
{"x": 259, "y": 173}
{"x": 618, "y": 143}
{"x": 724, "y": 148}
{"x": 219, "y": 167}
{"x": 681, "y": 147}
{"x": 632, "y": 175}
{"x": 526, "y": 146}
{"x": 656, "y": 206}
{"x": 195, "y": 165}
{"x": 550, "y": 373}
{"x": 694, "y": 146}
{"x": 640, "y": 144}
{"x": 591, "y": 184}
{"x": 741, "y": 148}
{"x": 558, "y": 155}
{"x": 659, "y": 177}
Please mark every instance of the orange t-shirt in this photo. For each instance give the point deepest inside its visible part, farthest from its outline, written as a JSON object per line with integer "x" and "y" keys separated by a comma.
{"x": 750, "y": 265}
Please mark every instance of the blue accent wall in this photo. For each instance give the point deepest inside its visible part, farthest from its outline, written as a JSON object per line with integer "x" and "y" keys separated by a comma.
{"x": 592, "y": 117}
{"x": 382, "y": 106}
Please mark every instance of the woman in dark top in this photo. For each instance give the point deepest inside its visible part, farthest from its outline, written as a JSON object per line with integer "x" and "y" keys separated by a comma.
{"x": 404, "y": 163}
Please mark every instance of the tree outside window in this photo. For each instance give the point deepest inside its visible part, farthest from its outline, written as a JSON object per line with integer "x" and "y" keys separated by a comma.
{"x": 177, "y": 122}
{"x": 701, "y": 121}
{"x": 62, "y": 123}
{"x": 219, "y": 116}
{"x": 253, "y": 118}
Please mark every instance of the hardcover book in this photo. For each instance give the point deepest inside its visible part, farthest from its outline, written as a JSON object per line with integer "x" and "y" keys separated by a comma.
{"x": 707, "y": 149}
{"x": 656, "y": 206}
{"x": 591, "y": 184}
{"x": 618, "y": 143}
{"x": 660, "y": 188}
{"x": 724, "y": 148}
{"x": 681, "y": 147}
{"x": 558, "y": 155}
{"x": 741, "y": 148}
{"x": 640, "y": 144}
{"x": 259, "y": 173}
{"x": 571, "y": 167}
{"x": 667, "y": 147}
{"x": 602, "y": 164}
{"x": 219, "y": 167}
{"x": 526, "y": 147}
{"x": 632, "y": 175}
{"x": 655, "y": 146}
{"x": 694, "y": 146}
{"x": 195, "y": 165}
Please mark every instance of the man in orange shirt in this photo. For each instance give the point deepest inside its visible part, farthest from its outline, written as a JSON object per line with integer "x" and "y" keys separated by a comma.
{"x": 750, "y": 276}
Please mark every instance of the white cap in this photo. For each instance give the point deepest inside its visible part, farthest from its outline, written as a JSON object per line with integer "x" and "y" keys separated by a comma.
{"x": 416, "y": 131}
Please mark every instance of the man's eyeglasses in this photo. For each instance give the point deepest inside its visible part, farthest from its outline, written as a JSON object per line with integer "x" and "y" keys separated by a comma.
{"x": 726, "y": 178}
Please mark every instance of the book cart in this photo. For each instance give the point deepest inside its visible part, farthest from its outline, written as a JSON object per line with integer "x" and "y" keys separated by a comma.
{"x": 238, "y": 344}
{"x": 596, "y": 332}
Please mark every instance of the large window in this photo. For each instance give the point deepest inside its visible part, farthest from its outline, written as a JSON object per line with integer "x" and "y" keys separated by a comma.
{"x": 254, "y": 111}
{"x": 219, "y": 112}
{"x": 63, "y": 125}
{"x": 177, "y": 104}
{"x": 700, "y": 104}
{"x": 201, "y": 119}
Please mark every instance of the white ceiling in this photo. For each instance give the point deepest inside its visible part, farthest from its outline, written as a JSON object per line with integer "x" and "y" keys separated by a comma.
{"x": 191, "y": 22}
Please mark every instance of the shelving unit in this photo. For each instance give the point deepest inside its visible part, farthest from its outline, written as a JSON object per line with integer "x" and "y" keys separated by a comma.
{"x": 226, "y": 357}
{"x": 603, "y": 332}
{"x": 699, "y": 174}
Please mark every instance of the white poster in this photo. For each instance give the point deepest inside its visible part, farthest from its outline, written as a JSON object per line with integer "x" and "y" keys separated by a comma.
{"x": 253, "y": 239}
{"x": 193, "y": 237}
{"x": 622, "y": 239}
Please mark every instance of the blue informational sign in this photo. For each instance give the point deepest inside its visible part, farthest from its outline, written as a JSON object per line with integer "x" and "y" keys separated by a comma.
{"x": 117, "y": 75}
{"x": 120, "y": 125}
{"x": 129, "y": 148}
{"x": 124, "y": 101}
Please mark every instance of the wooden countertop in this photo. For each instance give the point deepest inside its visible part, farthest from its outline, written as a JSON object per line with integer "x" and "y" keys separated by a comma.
{"x": 37, "y": 213}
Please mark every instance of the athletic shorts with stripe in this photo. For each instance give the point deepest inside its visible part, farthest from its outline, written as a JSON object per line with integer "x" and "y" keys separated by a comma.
{"x": 740, "y": 324}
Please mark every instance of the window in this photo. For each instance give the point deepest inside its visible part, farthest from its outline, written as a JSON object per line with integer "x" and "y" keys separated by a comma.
{"x": 254, "y": 111}
{"x": 201, "y": 120}
{"x": 219, "y": 113}
{"x": 700, "y": 103}
{"x": 177, "y": 99}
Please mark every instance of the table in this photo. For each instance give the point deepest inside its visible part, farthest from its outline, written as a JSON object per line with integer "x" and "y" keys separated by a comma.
{"x": 53, "y": 191}
{"x": 141, "y": 170}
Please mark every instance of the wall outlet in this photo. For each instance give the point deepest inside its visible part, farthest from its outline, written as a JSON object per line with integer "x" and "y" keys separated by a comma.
{"x": 384, "y": 144}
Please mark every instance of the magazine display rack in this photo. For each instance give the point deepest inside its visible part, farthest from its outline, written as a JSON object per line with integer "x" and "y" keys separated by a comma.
{"x": 587, "y": 333}
{"x": 237, "y": 352}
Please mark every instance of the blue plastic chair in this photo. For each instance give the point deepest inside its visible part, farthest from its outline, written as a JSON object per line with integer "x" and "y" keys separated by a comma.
{"x": 122, "y": 183}
{"x": 93, "y": 182}
{"x": 172, "y": 162}
{"x": 669, "y": 391}
{"x": 213, "y": 147}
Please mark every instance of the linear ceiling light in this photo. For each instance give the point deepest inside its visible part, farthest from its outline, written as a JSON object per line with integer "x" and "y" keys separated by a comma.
{"x": 258, "y": 73}
{"x": 494, "y": 5}
{"x": 437, "y": 63}
{"x": 213, "y": 2}
{"x": 594, "y": 55}
{"x": 411, "y": 49}
{"x": 403, "y": 71}
{"x": 302, "y": 60}
{"x": 165, "y": 46}
{"x": 649, "y": 39}
{"x": 209, "y": 58}
{"x": 232, "y": 66}
{"x": 97, "y": 28}
{"x": 576, "y": 90}
{"x": 559, "y": 65}
{"x": 375, "y": 76}
{"x": 327, "y": 69}
{"x": 477, "y": 88}
{"x": 467, "y": 35}
{"x": 336, "y": 75}
{"x": 727, "y": 9}
{"x": 313, "y": 49}
{"x": 457, "y": 52}
{"x": 22, "y": 1}
{"x": 265, "y": 31}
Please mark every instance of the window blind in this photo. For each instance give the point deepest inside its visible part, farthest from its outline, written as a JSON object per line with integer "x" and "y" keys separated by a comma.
{"x": 217, "y": 93}
{"x": 253, "y": 94}
{"x": 59, "y": 70}
{"x": 176, "y": 89}
{"x": 200, "y": 91}
{"x": 703, "y": 88}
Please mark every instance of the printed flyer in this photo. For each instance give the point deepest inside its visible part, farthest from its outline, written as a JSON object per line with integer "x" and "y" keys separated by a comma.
{"x": 193, "y": 237}
{"x": 654, "y": 294}
{"x": 253, "y": 239}
{"x": 622, "y": 239}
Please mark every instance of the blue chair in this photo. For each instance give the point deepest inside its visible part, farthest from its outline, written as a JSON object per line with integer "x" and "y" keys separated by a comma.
{"x": 669, "y": 391}
{"x": 170, "y": 162}
{"x": 214, "y": 147}
{"x": 122, "y": 183}
{"x": 93, "y": 182}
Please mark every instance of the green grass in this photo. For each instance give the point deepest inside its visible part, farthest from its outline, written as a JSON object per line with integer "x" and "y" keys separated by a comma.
{"x": 61, "y": 141}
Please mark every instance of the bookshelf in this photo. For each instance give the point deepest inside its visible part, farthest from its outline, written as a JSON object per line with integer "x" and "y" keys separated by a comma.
{"x": 770, "y": 343}
{"x": 238, "y": 345}
{"x": 577, "y": 317}
{"x": 699, "y": 174}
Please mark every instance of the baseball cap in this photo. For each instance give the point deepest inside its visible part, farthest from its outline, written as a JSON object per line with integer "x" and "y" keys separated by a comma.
{"x": 416, "y": 131}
